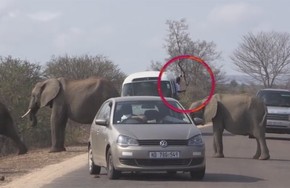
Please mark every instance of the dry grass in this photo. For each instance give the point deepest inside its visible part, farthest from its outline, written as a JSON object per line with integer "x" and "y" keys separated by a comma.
{"x": 14, "y": 166}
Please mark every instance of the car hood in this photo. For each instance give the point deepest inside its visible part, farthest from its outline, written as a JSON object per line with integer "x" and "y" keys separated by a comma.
{"x": 158, "y": 131}
{"x": 278, "y": 110}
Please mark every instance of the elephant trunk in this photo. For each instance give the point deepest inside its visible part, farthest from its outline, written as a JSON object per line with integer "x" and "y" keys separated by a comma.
{"x": 33, "y": 118}
{"x": 32, "y": 110}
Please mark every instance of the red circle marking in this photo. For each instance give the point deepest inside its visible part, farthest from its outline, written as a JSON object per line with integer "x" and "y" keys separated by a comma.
{"x": 199, "y": 60}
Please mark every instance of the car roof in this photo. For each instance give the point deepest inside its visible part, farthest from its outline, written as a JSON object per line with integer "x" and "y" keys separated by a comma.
{"x": 274, "y": 89}
{"x": 140, "y": 98}
{"x": 148, "y": 74}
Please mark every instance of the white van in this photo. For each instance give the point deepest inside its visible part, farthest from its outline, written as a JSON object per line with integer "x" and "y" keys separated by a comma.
{"x": 145, "y": 84}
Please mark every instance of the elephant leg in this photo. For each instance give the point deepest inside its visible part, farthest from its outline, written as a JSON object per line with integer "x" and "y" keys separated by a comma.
{"x": 11, "y": 133}
{"x": 58, "y": 124}
{"x": 218, "y": 143}
{"x": 214, "y": 146}
{"x": 258, "y": 151}
{"x": 262, "y": 148}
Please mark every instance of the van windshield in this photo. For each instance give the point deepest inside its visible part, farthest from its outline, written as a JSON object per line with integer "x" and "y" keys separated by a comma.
{"x": 275, "y": 98}
{"x": 146, "y": 88}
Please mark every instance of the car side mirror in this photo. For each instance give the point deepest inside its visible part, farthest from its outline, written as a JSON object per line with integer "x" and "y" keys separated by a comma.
{"x": 198, "y": 121}
{"x": 102, "y": 122}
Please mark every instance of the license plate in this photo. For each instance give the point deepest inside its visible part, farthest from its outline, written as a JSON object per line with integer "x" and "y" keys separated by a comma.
{"x": 164, "y": 154}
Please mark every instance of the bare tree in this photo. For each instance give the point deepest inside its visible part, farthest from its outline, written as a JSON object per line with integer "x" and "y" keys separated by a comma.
{"x": 155, "y": 66}
{"x": 264, "y": 56}
{"x": 179, "y": 42}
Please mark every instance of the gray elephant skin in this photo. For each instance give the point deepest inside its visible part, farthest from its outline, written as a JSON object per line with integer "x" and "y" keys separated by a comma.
{"x": 239, "y": 114}
{"x": 7, "y": 128}
{"x": 78, "y": 100}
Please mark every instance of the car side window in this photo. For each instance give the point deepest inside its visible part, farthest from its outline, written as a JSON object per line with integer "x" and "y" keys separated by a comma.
{"x": 104, "y": 112}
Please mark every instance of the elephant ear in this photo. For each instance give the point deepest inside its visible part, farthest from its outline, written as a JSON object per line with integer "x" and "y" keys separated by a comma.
{"x": 211, "y": 109}
{"x": 50, "y": 89}
{"x": 195, "y": 104}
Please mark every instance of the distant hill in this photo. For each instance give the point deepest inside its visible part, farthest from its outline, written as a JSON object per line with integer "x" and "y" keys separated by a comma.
{"x": 245, "y": 79}
{"x": 240, "y": 79}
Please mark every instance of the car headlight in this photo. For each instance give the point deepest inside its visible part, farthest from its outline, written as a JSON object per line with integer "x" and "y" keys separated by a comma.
{"x": 195, "y": 140}
{"x": 125, "y": 141}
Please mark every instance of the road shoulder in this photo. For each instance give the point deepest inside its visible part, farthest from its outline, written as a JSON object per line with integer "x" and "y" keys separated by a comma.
{"x": 47, "y": 174}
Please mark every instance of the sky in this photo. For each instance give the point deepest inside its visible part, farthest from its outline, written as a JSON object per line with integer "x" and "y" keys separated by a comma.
{"x": 130, "y": 33}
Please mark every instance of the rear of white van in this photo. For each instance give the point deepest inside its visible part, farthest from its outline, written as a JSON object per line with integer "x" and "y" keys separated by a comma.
{"x": 145, "y": 84}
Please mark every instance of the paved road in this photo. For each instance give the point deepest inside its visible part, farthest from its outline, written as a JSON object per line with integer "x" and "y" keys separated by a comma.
{"x": 237, "y": 169}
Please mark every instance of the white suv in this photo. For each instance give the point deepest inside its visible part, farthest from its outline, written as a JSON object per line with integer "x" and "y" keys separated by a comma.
{"x": 278, "y": 105}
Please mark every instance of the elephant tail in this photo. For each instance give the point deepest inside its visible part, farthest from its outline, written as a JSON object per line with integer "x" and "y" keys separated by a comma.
{"x": 261, "y": 110}
{"x": 264, "y": 119}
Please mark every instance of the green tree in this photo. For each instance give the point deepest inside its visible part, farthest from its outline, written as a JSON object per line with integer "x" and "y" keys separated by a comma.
{"x": 72, "y": 67}
{"x": 17, "y": 77}
{"x": 234, "y": 84}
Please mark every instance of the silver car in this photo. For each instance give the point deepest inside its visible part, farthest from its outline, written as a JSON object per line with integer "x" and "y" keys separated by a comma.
{"x": 140, "y": 133}
{"x": 278, "y": 106}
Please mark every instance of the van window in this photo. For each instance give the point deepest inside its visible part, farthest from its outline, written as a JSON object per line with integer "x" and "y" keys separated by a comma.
{"x": 145, "y": 84}
{"x": 146, "y": 88}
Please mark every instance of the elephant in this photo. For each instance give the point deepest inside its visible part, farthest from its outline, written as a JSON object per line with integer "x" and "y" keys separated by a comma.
{"x": 240, "y": 114}
{"x": 77, "y": 100}
{"x": 7, "y": 128}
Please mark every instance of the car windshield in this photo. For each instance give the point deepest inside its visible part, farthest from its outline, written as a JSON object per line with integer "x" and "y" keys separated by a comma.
{"x": 146, "y": 88}
{"x": 276, "y": 98}
{"x": 148, "y": 112}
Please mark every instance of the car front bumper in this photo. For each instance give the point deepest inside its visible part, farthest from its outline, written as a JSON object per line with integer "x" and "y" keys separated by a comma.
{"x": 278, "y": 126}
{"x": 136, "y": 158}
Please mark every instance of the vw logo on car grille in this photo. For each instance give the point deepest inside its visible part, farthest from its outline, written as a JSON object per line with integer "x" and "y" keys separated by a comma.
{"x": 163, "y": 143}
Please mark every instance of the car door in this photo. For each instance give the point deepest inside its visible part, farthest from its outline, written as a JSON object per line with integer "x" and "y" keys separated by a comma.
{"x": 100, "y": 139}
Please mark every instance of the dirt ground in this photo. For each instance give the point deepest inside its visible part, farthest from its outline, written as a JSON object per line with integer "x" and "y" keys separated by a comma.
{"x": 12, "y": 167}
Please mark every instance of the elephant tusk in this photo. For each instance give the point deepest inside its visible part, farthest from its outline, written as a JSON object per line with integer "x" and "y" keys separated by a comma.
{"x": 26, "y": 113}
